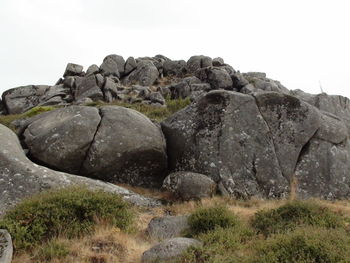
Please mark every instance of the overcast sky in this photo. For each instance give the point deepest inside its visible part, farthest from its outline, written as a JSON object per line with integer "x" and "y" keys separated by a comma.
{"x": 302, "y": 43}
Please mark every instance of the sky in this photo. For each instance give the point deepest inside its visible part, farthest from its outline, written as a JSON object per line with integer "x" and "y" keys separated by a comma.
{"x": 305, "y": 44}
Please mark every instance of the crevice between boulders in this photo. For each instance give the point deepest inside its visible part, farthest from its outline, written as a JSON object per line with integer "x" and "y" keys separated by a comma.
{"x": 273, "y": 142}
{"x": 92, "y": 141}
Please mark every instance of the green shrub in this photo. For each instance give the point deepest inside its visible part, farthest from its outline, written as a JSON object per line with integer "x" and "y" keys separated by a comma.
{"x": 69, "y": 212}
{"x": 52, "y": 250}
{"x": 206, "y": 219}
{"x": 219, "y": 245}
{"x": 293, "y": 214}
{"x": 304, "y": 245}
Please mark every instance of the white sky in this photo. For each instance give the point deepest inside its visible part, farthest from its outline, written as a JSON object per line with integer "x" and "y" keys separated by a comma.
{"x": 300, "y": 42}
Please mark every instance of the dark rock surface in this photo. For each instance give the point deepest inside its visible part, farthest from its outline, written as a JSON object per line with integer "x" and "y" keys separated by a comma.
{"x": 189, "y": 185}
{"x": 20, "y": 178}
{"x": 168, "y": 249}
{"x": 127, "y": 148}
{"x": 167, "y": 227}
{"x": 61, "y": 138}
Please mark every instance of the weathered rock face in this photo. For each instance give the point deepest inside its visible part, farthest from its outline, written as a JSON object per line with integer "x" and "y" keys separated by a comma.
{"x": 61, "y": 138}
{"x": 145, "y": 74}
{"x": 292, "y": 123}
{"x": 188, "y": 185}
{"x": 223, "y": 135}
{"x": 255, "y": 145}
{"x": 127, "y": 148}
{"x": 114, "y": 144}
{"x": 168, "y": 249}
{"x": 20, "y": 178}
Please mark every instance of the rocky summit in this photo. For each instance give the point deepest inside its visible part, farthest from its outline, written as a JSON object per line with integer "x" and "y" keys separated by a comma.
{"x": 243, "y": 134}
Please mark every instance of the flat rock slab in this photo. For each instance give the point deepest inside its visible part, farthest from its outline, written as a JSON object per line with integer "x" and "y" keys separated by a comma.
{"x": 6, "y": 248}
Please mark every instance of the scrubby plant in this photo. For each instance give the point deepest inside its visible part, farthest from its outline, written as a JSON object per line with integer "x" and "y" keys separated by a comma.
{"x": 219, "y": 245}
{"x": 69, "y": 212}
{"x": 293, "y": 214}
{"x": 207, "y": 219}
{"x": 304, "y": 245}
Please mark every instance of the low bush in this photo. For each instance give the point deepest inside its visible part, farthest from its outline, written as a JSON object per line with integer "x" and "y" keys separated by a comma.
{"x": 207, "y": 219}
{"x": 304, "y": 245}
{"x": 219, "y": 245}
{"x": 293, "y": 214}
{"x": 70, "y": 212}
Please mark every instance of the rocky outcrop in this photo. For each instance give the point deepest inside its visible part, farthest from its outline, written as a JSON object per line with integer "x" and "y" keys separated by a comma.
{"x": 189, "y": 186}
{"x": 247, "y": 133}
{"x": 169, "y": 249}
{"x": 114, "y": 144}
{"x": 21, "y": 178}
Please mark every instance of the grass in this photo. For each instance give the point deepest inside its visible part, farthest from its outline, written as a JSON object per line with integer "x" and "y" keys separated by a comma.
{"x": 225, "y": 243}
{"x": 157, "y": 114}
{"x": 8, "y": 119}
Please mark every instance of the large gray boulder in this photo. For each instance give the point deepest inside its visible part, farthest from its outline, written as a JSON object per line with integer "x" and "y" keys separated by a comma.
{"x": 197, "y": 62}
{"x": 87, "y": 87}
{"x": 61, "y": 138}
{"x": 323, "y": 170}
{"x": 21, "y": 99}
{"x": 334, "y": 104}
{"x": 113, "y": 65}
{"x": 189, "y": 186}
{"x": 21, "y": 178}
{"x": 175, "y": 68}
{"x": 218, "y": 78}
{"x": 73, "y": 70}
{"x": 169, "y": 249}
{"x": 167, "y": 227}
{"x": 145, "y": 74}
{"x": 127, "y": 148}
{"x": 223, "y": 135}
{"x": 292, "y": 123}
{"x": 6, "y": 247}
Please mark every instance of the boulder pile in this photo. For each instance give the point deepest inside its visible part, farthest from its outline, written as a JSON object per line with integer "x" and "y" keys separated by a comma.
{"x": 243, "y": 134}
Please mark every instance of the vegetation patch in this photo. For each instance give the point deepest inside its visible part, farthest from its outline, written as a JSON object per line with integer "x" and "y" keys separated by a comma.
{"x": 207, "y": 219}
{"x": 8, "y": 119}
{"x": 296, "y": 213}
{"x": 304, "y": 245}
{"x": 70, "y": 212}
{"x": 220, "y": 245}
{"x": 154, "y": 113}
